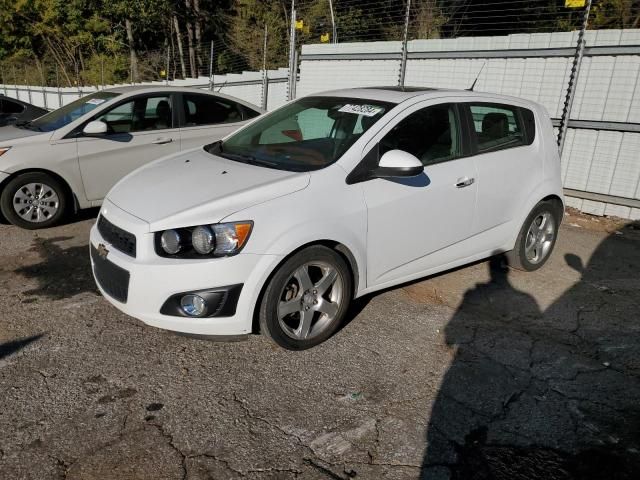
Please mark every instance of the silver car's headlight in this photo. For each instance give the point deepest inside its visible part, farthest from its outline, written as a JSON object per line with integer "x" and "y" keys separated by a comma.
{"x": 204, "y": 241}
{"x": 4, "y": 150}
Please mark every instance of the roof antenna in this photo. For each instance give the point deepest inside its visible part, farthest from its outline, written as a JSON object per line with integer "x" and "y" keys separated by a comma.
{"x": 477, "y": 76}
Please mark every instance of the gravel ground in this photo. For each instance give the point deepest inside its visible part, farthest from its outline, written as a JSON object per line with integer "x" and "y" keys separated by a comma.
{"x": 479, "y": 373}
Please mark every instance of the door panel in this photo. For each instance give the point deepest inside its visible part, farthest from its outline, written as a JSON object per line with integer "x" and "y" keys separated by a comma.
{"x": 410, "y": 220}
{"x": 413, "y": 222}
{"x": 507, "y": 163}
{"x": 139, "y": 131}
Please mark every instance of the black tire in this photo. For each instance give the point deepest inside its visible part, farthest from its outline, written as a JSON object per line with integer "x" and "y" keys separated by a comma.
{"x": 283, "y": 281}
{"x": 517, "y": 257}
{"x": 8, "y": 193}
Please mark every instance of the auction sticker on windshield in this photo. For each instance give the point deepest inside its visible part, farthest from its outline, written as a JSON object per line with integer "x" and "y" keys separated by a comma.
{"x": 96, "y": 101}
{"x": 366, "y": 110}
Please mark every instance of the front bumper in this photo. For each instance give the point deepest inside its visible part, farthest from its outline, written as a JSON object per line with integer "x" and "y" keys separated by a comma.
{"x": 153, "y": 280}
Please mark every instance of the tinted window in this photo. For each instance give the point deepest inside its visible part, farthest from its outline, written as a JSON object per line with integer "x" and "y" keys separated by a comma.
{"x": 140, "y": 114}
{"x": 207, "y": 110}
{"x": 496, "y": 126}
{"x": 431, "y": 134}
{"x": 7, "y": 106}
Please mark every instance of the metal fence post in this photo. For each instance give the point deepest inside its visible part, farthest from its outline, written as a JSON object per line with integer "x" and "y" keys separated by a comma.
{"x": 58, "y": 87}
{"x": 211, "y": 67}
{"x": 573, "y": 80}
{"x": 166, "y": 72}
{"x": 292, "y": 49}
{"x": 26, "y": 82}
{"x": 102, "y": 71}
{"x": 334, "y": 30}
{"x": 44, "y": 84}
{"x": 403, "y": 62}
{"x": 265, "y": 79}
{"x": 4, "y": 84}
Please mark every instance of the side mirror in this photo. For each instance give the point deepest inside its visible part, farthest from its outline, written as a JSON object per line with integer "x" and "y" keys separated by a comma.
{"x": 393, "y": 164}
{"x": 398, "y": 163}
{"x": 96, "y": 127}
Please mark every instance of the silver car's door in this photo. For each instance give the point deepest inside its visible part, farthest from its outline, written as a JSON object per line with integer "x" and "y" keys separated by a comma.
{"x": 139, "y": 130}
{"x": 207, "y": 118}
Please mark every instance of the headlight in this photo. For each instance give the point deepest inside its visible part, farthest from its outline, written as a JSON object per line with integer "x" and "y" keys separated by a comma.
{"x": 171, "y": 241}
{"x": 218, "y": 240}
{"x": 4, "y": 150}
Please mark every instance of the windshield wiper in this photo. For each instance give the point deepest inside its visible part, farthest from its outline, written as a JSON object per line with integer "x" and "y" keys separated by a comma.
{"x": 249, "y": 159}
{"x": 27, "y": 124}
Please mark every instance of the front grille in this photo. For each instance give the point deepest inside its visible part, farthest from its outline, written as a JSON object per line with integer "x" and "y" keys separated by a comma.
{"x": 120, "y": 239}
{"x": 113, "y": 279}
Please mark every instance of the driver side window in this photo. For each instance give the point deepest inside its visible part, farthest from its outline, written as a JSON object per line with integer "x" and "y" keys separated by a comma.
{"x": 432, "y": 135}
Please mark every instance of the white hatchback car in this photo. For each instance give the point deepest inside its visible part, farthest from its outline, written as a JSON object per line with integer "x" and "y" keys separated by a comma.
{"x": 326, "y": 199}
{"x": 70, "y": 158}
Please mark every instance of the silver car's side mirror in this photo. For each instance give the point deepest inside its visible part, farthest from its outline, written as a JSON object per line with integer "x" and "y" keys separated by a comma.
{"x": 96, "y": 127}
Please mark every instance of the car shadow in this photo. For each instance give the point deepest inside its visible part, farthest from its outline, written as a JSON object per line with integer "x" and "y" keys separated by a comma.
{"x": 543, "y": 394}
{"x": 61, "y": 272}
{"x": 81, "y": 216}
{"x": 14, "y": 346}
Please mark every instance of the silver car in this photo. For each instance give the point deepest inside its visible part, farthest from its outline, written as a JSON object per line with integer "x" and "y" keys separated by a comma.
{"x": 70, "y": 158}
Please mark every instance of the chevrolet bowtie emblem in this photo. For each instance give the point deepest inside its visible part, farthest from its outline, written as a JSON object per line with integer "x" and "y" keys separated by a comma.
{"x": 102, "y": 251}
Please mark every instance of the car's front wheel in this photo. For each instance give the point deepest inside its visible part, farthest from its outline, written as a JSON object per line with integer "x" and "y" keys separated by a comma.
{"x": 33, "y": 200}
{"x": 306, "y": 299}
{"x": 537, "y": 238}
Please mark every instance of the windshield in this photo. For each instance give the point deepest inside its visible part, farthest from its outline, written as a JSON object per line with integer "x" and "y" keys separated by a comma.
{"x": 68, "y": 113}
{"x": 305, "y": 135}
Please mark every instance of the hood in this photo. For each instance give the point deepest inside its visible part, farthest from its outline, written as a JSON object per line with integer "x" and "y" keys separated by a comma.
{"x": 195, "y": 188}
{"x": 11, "y": 132}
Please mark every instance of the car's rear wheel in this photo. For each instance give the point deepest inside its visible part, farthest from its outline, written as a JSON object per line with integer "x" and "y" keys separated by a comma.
{"x": 34, "y": 200}
{"x": 306, "y": 299}
{"x": 537, "y": 238}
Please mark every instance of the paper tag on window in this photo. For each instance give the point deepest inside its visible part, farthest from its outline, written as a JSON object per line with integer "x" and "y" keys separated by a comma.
{"x": 96, "y": 101}
{"x": 366, "y": 110}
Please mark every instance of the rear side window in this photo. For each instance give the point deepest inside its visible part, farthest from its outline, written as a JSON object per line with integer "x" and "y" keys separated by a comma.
{"x": 496, "y": 127}
{"x": 208, "y": 110}
{"x": 7, "y": 106}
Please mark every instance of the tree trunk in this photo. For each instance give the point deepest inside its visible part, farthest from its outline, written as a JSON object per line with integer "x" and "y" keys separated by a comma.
{"x": 198, "y": 30}
{"x": 176, "y": 24}
{"x": 192, "y": 50}
{"x": 132, "y": 50}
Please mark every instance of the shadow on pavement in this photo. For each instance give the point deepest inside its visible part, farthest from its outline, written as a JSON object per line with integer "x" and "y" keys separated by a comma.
{"x": 8, "y": 348}
{"x": 62, "y": 272}
{"x": 550, "y": 394}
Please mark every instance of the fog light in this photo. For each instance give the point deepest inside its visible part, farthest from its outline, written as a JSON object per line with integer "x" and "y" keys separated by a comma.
{"x": 193, "y": 305}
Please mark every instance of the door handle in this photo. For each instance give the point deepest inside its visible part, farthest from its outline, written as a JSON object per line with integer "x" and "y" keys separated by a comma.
{"x": 162, "y": 141}
{"x": 464, "y": 182}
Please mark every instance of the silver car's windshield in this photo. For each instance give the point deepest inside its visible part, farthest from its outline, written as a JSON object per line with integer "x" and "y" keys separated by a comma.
{"x": 68, "y": 113}
{"x": 305, "y": 135}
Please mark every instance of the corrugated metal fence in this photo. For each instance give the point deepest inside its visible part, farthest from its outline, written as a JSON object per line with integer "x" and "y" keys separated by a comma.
{"x": 601, "y": 158}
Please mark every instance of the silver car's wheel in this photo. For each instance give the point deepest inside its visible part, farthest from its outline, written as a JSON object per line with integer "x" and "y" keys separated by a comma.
{"x": 305, "y": 301}
{"x": 310, "y": 300}
{"x": 36, "y": 202}
{"x": 540, "y": 238}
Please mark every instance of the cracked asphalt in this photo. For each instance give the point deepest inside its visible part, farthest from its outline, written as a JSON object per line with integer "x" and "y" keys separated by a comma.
{"x": 479, "y": 373}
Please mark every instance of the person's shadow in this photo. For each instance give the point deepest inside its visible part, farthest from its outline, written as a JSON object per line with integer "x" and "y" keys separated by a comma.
{"x": 543, "y": 395}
